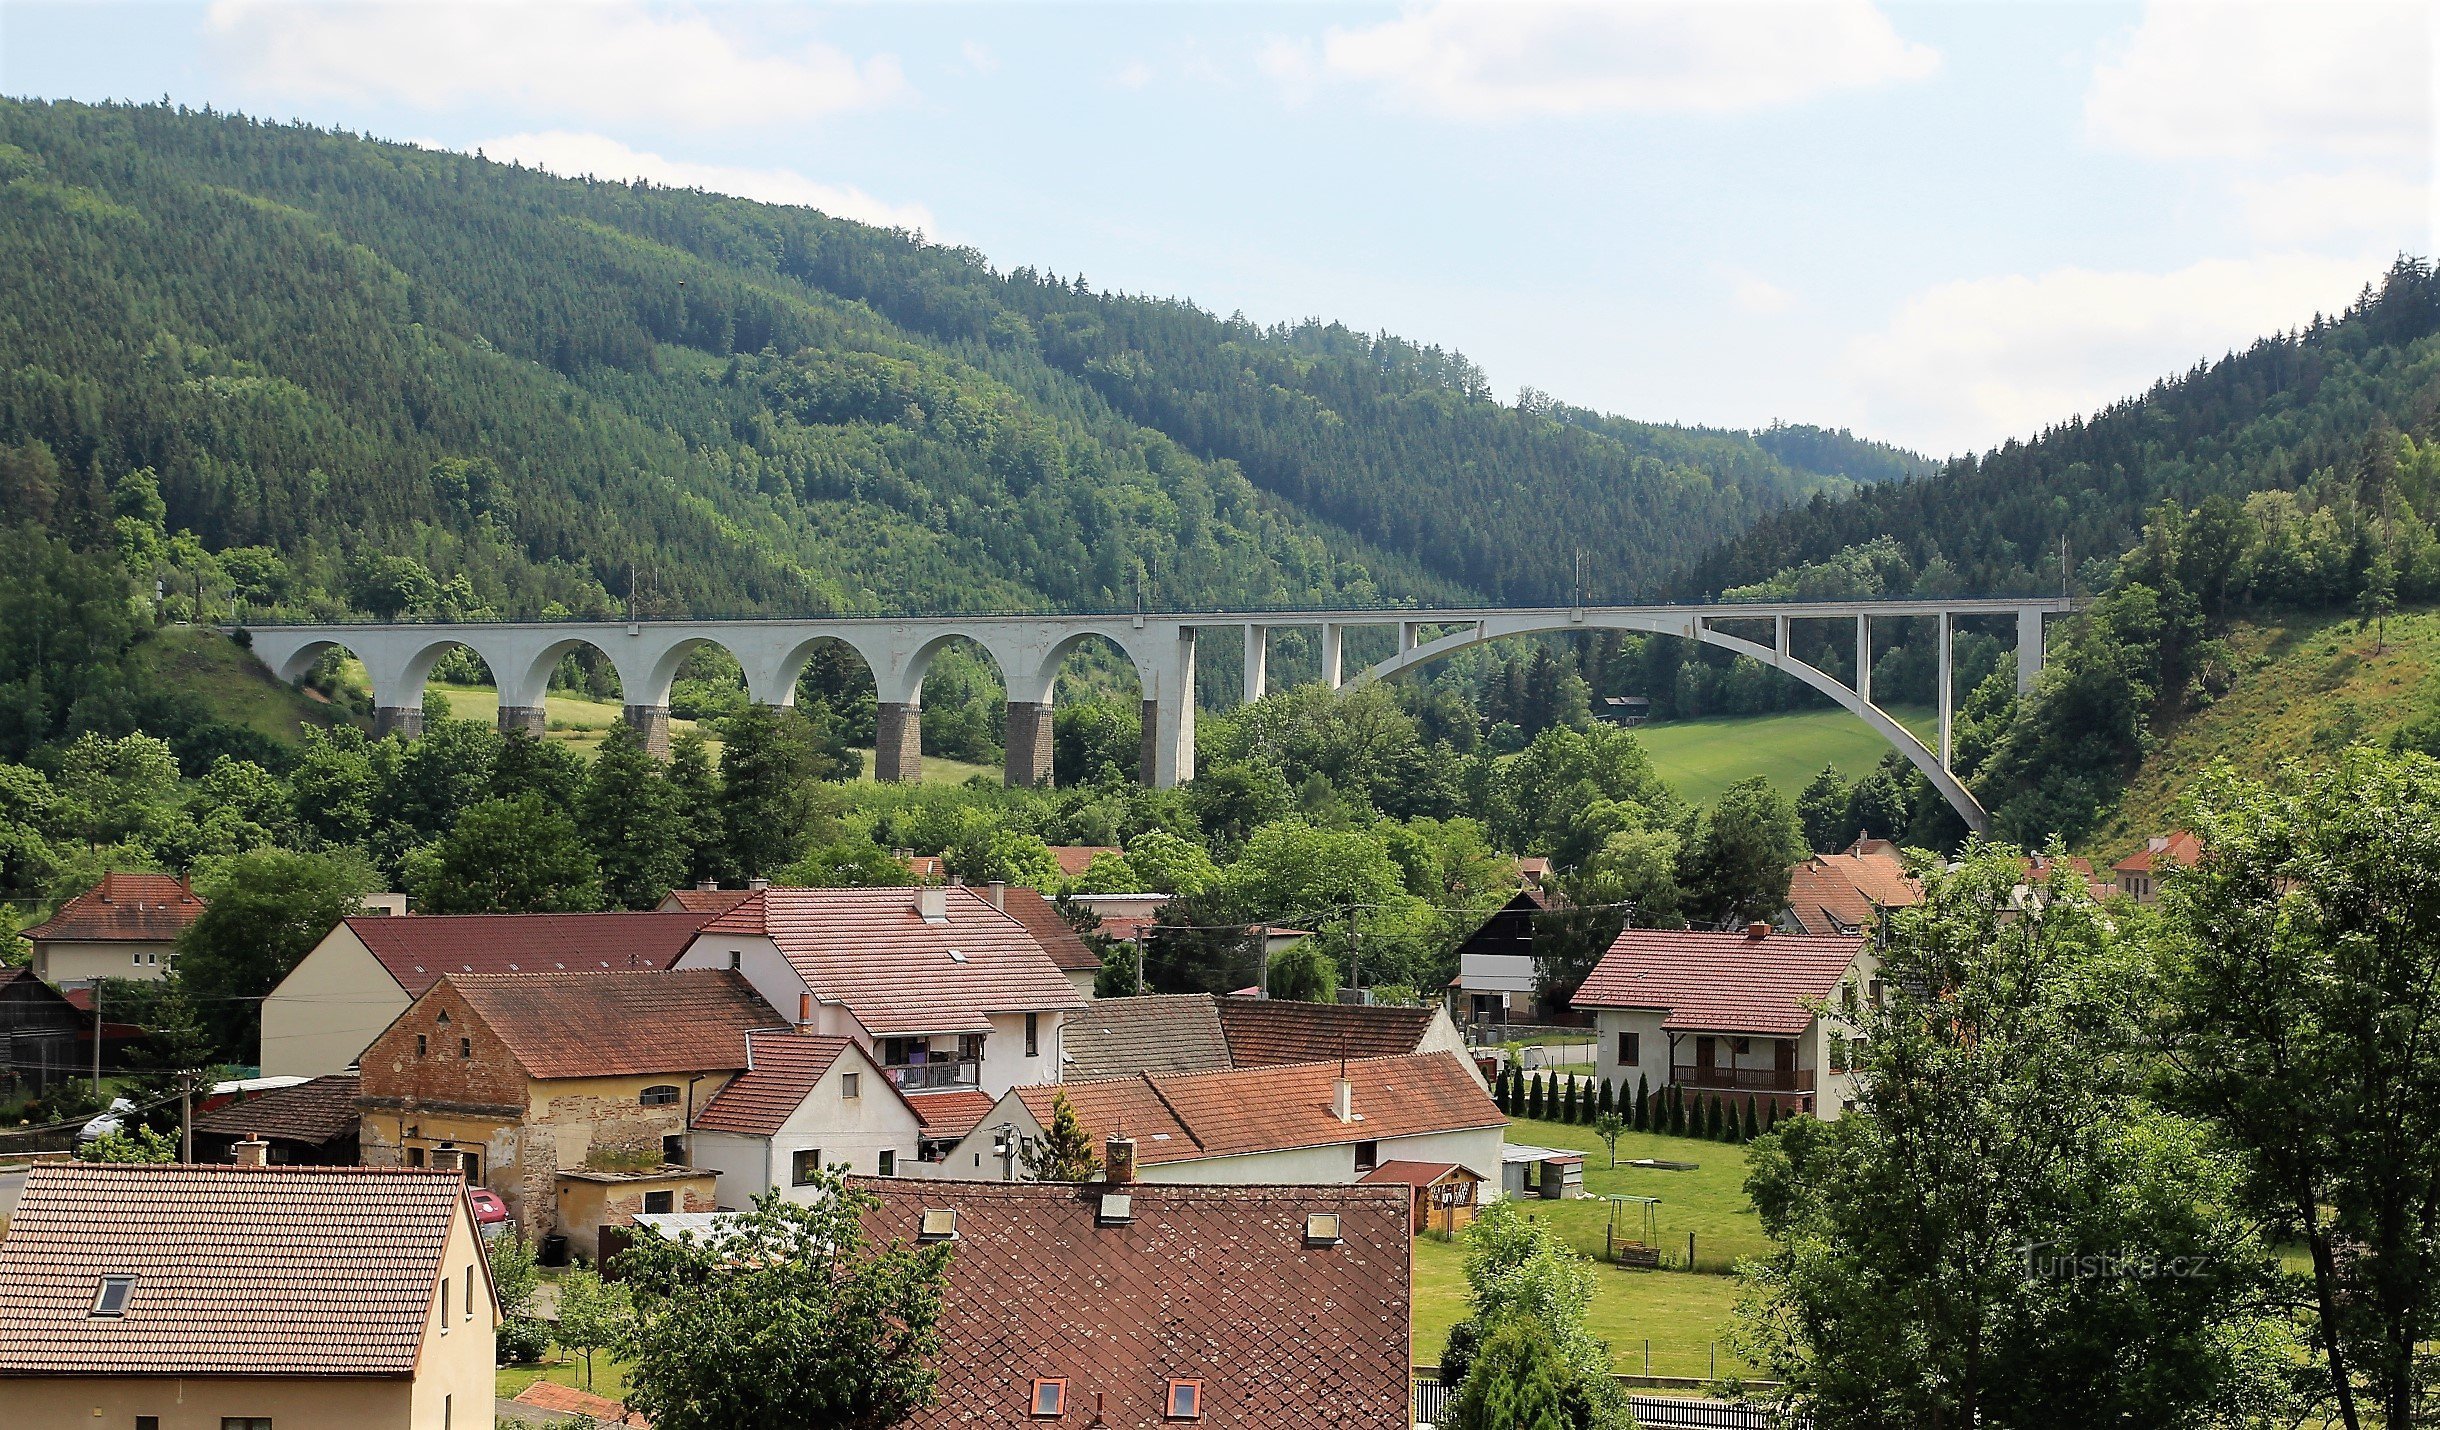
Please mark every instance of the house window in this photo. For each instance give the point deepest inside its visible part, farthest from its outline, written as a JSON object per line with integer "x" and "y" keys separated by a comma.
{"x": 970, "y": 1047}
{"x": 1368, "y": 1156}
{"x": 658, "y": 1203}
{"x": 110, "y": 1298}
{"x": 851, "y": 1085}
{"x": 148, "y": 1422}
{"x": 1321, "y": 1228}
{"x": 939, "y": 1224}
{"x": 469, "y": 1313}
{"x": 673, "y": 1148}
{"x": 1874, "y": 992}
{"x": 415, "y": 1156}
{"x": 245, "y": 1422}
{"x": 1737, "y": 1047}
{"x": 1839, "y": 1054}
{"x": 421, "y": 1045}
{"x": 660, "y": 1094}
{"x": 444, "y": 1305}
{"x": 1631, "y": 1048}
{"x": 737, "y": 960}
{"x": 803, "y": 1165}
{"x": 1186, "y": 1400}
{"x": 889, "y": 1162}
{"x": 1050, "y": 1399}
{"x": 448, "y": 1411}
{"x": 1033, "y": 1035}
{"x": 465, "y": 1047}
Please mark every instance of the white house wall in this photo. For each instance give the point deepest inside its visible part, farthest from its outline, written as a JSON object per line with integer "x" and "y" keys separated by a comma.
{"x": 1652, "y": 1065}
{"x": 850, "y": 1133}
{"x": 328, "y": 1009}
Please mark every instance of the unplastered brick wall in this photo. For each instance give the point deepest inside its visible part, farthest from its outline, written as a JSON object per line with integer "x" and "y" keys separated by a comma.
{"x": 461, "y": 1061}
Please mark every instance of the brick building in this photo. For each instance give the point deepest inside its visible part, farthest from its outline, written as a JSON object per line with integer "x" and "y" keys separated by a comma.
{"x": 569, "y": 1094}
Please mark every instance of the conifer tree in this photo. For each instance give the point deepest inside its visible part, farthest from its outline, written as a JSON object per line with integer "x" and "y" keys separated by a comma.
{"x": 1752, "y": 1128}
{"x": 1065, "y": 1153}
{"x": 1533, "y": 1097}
{"x": 1609, "y": 1101}
{"x": 1567, "y": 1102}
{"x": 1643, "y": 1103}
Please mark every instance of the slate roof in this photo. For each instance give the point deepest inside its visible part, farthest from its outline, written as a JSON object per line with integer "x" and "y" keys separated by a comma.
{"x": 870, "y": 950}
{"x": 312, "y": 1112}
{"x": 123, "y": 908}
{"x": 1184, "y": 1117}
{"x": 1215, "y": 1284}
{"x": 1720, "y": 982}
{"x": 785, "y": 1065}
{"x": 419, "y": 948}
{"x": 619, "y": 1024}
{"x": 240, "y": 1271}
{"x": 1161, "y": 1032}
{"x": 1042, "y": 919}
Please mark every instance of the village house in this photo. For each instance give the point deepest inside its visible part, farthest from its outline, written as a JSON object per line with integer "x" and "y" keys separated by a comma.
{"x": 365, "y": 972}
{"x": 1130, "y": 1303}
{"x": 310, "y": 1124}
{"x": 1325, "y": 1123}
{"x": 954, "y": 999}
{"x": 1729, "y": 1014}
{"x": 1204, "y": 1032}
{"x": 1848, "y": 892}
{"x": 39, "y": 1031}
{"x": 126, "y": 926}
{"x": 803, "y": 1102}
{"x": 205, "y": 1298}
{"x": 569, "y": 1094}
{"x": 1497, "y": 978}
{"x": 2139, "y": 874}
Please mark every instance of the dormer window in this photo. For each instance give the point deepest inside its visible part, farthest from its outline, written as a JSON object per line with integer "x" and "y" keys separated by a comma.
{"x": 110, "y": 1298}
{"x": 1185, "y": 1400}
{"x": 1050, "y": 1399}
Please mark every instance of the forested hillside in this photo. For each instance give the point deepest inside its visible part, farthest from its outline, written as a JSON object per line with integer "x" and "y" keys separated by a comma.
{"x": 330, "y": 351}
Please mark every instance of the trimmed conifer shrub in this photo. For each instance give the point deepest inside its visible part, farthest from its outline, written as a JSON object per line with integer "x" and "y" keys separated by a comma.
{"x": 1533, "y": 1096}
{"x": 1608, "y": 1103}
{"x": 1567, "y": 1102}
{"x": 1643, "y": 1103}
{"x": 1752, "y": 1128}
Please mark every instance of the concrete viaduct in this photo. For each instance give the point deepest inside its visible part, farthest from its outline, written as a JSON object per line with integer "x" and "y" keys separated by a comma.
{"x": 1029, "y": 651}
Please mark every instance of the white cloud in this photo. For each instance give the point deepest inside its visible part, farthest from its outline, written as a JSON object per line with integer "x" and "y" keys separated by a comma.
{"x": 1134, "y": 74}
{"x": 2303, "y": 208}
{"x": 596, "y": 62}
{"x": 1530, "y": 58}
{"x": 573, "y": 155}
{"x": 1965, "y": 365}
{"x": 2240, "y": 79}
{"x": 1753, "y": 293}
{"x": 979, "y": 58}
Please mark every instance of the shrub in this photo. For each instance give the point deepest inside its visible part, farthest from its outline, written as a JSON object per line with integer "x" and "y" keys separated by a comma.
{"x": 521, "y": 1340}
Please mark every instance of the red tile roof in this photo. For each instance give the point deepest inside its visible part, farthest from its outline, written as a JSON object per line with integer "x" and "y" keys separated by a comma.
{"x": 419, "y": 948}
{"x": 952, "y": 1113}
{"x": 123, "y": 908}
{"x": 1075, "y": 858}
{"x": 2178, "y": 846}
{"x": 870, "y": 950}
{"x": 619, "y": 1024}
{"x": 312, "y": 1112}
{"x": 252, "y": 1271}
{"x": 1720, "y": 982}
{"x": 1410, "y": 1174}
{"x": 1268, "y": 1031}
{"x": 784, "y": 1068}
{"x": 1216, "y": 1284}
{"x": 1051, "y": 929}
{"x": 702, "y": 901}
{"x": 1182, "y": 1117}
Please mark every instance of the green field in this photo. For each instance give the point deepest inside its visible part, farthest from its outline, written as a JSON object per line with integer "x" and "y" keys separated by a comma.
{"x": 231, "y": 683}
{"x": 1683, "y": 1314}
{"x": 1700, "y": 758}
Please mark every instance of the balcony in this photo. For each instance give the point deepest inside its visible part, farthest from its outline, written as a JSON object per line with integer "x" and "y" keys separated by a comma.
{"x": 1743, "y": 1079}
{"x": 936, "y": 1075}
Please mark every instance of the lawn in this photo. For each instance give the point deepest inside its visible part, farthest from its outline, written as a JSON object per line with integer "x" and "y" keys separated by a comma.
{"x": 609, "y": 1376}
{"x": 1684, "y": 1316}
{"x": 1700, "y": 758}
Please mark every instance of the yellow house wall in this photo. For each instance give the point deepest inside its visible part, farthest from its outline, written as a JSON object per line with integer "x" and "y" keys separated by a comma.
{"x": 61, "y": 962}
{"x": 49, "y": 1403}
{"x": 330, "y": 1006}
{"x": 454, "y": 1371}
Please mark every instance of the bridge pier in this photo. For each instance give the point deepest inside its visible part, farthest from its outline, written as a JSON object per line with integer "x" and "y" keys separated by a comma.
{"x": 1169, "y": 717}
{"x": 1863, "y": 658}
{"x": 404, "y": 721}
{"x": 1029, "y": 744}
{"x": 1948, "y": 697}
{"x": 1257, "y": 661}
{"x": 2028, "y": 649}
{"x": 898, "y": 742}
{"x": 1333, "y": 656}
{"x": 522, "y": 720}
{"x": 651, "y": 722}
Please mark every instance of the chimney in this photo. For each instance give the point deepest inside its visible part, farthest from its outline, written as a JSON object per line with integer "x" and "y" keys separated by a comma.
{"x": 107, "y": 878}
{"x": 254, "y": 1151}
{"x": 804, "y": 1009}
{"x": 758, "y": 882}
{"x": 708, "y": 886}
{"x": 999, "y": 895}
{"x": 1343, "y": 1097}
{"x": 186, "y": 889}
{"x": 932, "y": 902}
{"x": 1118, "y": 1161}
{"x": 1757, "y": 931}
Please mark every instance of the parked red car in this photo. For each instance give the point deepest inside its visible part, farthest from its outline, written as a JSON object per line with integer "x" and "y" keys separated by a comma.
{"x": 490, "y": 1213}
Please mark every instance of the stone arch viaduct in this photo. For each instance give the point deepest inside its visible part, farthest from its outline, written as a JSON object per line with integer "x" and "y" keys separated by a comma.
{"x": 1030, "y": 649}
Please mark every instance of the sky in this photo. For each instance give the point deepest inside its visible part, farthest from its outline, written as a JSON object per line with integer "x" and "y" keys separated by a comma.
{"x": 1940, "y": 225}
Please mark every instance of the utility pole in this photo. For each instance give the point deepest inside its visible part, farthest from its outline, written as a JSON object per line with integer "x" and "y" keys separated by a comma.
{"x": 1355, "y": 952}
{"x": 97, "y": 1037}
{"x": 186, "y": 1117}
{"x": 1139, "y": 962}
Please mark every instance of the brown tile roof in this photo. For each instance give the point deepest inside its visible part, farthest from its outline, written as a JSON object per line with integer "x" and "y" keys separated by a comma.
{"x": 1050, "y": 929}
{"x": 783, "y": 1069}
{"x": 1215, "y": 1284}
{"x": 701, "y": 901}
{"x": 1075, "y": 858}
{"x": 568, "y": 1400}
{"x": 870, "y": 950}
{"x": 1720, "y": 982}
{"x": 951, "y": 1113}
{"x": 123, "y": 908}
{"x": 1411, "y": 1174}
{"x": 312, "y": 1112}
{"x": 1881, "y": 874}
{"x": 2178, "y": 847}
{"x": 419, "y": 948}
{"x": 1266, "y": 1031}
{"x": 619, "y": 1024}
{"x": 1162, "y": 1032}
{"x": 254, "y": 1271}
{"x": 1824, "y": 900}
{"x": 1182, "y": 1117}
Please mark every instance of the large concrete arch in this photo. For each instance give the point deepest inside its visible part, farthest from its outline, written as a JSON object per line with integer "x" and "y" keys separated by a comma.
{"x": 1699, "y": 628}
